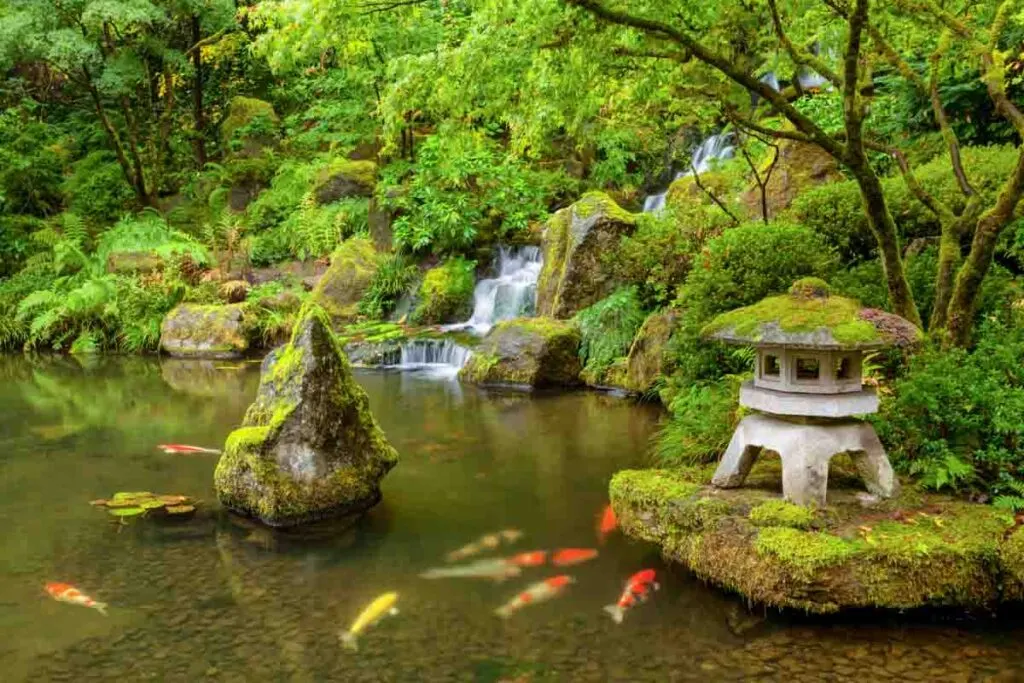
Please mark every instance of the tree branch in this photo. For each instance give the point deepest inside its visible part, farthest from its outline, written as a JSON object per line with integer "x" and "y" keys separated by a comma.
{"x": 708, "y": 192}
{"x": 748, "y": 125}
{"x": 852, "y": 110}
{"x": 210, "y": 39}
{"x": 801, "y": 57}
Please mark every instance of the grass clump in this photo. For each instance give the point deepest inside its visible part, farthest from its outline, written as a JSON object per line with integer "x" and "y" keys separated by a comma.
{"x": 607, "y": 329}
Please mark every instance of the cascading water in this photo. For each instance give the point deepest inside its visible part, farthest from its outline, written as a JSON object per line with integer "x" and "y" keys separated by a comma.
{"x": 717, "y": 147}
{"x": 513, "y": 293}
{"x": 441, "y": 357}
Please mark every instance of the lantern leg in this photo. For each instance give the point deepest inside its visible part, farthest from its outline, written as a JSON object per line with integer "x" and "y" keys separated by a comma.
{"x": 873, "y": 464}
{"x": 738, "y": 460}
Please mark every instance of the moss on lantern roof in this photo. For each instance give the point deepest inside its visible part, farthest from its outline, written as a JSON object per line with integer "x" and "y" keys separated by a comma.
{"x": 810, "y": 317}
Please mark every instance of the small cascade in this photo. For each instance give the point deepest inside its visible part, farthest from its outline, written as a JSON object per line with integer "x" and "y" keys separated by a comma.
{"x": 771, "y": 80}
{"x": 810, "y": 80}
{"x": 438, "y": 356}
{"x": 512, "y": 294}
{"x": 717, "y": 147}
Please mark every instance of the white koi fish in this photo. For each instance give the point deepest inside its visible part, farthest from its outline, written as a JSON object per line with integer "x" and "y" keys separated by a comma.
{"x": 537, "y": 592}
{"x": 487, "y": 542}
{"x": 497, "y": 569}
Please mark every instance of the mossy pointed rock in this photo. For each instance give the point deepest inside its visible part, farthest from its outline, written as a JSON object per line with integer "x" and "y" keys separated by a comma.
{"x": 309, "y": 449}
{"x": 533, "y": 352}
{"x": 912, "y": 551}
{"x": 353, "y": 265}
{"x": 214, "y": 332}
{"x": 574, "y": 241}
{"x": 648, "y": 358}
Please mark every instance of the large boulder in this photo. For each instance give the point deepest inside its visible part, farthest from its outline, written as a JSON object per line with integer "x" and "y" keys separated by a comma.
{"x": 647, "y": 359}
{"x": 535, "y": 352}
{"x": 197, "y": 331}
{"x": 800, "y": 165}
{"x": 251, "y": 125}
{"x": 353, "y": 265}
{"x": 309, "y": 449}
{"x": 575, "y": 240}
{"x": 345, "y": 178}
{"x": 446, "y": 293}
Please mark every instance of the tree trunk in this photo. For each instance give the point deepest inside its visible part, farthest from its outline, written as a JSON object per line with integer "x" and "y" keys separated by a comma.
{"x": 198, "y": 119}
{"x": 884, "y": 228}
{"x": 115, "y": 142}
{"x": 964, "y": 301}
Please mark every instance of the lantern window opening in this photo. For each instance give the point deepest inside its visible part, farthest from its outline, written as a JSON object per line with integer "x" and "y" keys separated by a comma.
{"x": 770, "y": 367}
{"x": 843, "y": 368}
{"x": 808, "y": 369}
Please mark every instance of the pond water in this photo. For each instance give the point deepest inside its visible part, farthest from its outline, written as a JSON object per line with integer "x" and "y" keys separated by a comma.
{"x": 216, "y": 600}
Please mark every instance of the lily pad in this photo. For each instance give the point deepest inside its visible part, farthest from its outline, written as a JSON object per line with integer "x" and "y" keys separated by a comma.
{"x": 180, "y": 509}
{"x": 127, "y": 512}
{"x": 133, "y": 504}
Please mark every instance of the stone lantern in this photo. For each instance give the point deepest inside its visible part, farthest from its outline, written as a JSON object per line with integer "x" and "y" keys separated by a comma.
{"x": 807, "y": 391}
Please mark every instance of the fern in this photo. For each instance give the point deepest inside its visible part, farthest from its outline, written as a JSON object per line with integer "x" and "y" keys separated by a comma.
{"x": 608, "y": 328}
{"x": 1013, "y": 501}
{"x": 390, "y": 281}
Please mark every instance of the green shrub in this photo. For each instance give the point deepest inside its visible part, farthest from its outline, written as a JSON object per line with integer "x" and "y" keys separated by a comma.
{"x": 446, "y": 293}
{"x": 31, "y": 168}
{"x": 954, "y": 420}
{"x": 703, "y": 417}
{"x": 392, "y": 280}
{"x": 834, "y": 211}
{"x": 16, "y": 242}
{"x": 97, "y": 190}
{"x": 607, "y": 330}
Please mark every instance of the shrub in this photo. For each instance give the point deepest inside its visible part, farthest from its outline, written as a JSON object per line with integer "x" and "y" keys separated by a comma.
{"x": 834, "y": 211}
{"x": 391, "y": 281}
{"x": 703, "y": 417}
{"x": 97, "y": 190}
{"x": 954, "y": 420}
{"x": 446, "y": 294}
{"x": 607, "y": 330}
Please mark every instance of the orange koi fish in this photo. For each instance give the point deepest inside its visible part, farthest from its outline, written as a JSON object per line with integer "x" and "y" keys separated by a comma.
{"x": 537, "y": 592}
{"x": 638, "y": 589}
{"x": 566, "y": 557}
{"x": 497, "y": 569}
{"x": 486, "y": 542}
{"x": 178, "y": 448}
{"x": 534, "y": 558}
{"x": 63, "y": 592}
{"x": 607, "y": 523}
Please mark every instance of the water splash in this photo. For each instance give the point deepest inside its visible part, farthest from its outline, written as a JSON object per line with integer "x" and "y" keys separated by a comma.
{"x": 717, "y": 147}
{"x": 437, "y": 357}
{"x": 512, "y": 294}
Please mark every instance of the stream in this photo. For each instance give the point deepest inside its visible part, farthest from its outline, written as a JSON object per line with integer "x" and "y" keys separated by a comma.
{"x": 216, "y": 599}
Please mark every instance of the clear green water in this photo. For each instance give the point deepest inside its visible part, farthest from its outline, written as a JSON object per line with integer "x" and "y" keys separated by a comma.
{"x": 215, "y": 600}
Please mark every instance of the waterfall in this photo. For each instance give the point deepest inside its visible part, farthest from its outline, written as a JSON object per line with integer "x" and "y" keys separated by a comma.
{"x": 441, "y": 357}
{"x": 810, "y": 80}
{"x": 513, "y": 293}
{"x": 717, "y": 147}
{"x": 771, "y": 80}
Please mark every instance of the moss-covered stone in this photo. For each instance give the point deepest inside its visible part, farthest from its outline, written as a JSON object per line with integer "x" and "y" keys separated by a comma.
{"x": 573, "y": 243}
{"x": 685, "y": 190}
{"x": 309, "y": 448}
{"x": 345, "y": 178}
{"x": 648, "y": 360}
{"x": 446, "y": 293}
{"x": 125, "y": 262}
{"x": 246, "y": 113}
{"x": 196, "y": 331}
{"x": 534, "y": 352}
{"x": 913, "y": 551}
{"x": 809, "y": 316}
{"x": 353, "y": 265}
{"x": 800, "y": 165}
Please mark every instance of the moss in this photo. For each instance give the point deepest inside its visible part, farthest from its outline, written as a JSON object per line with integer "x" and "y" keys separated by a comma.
{"x": 599, "y": 202}
{"x": 206, "y": 331}
{"x": 838, "y": 315}
{"x": 526, "y": 351}
{"x": 781, "y": 513}
{"x": 804, "y": 551}
{"x": 1011, "y": 558}
{"x": 244, "y": 111}
{"x": 651, "y": 487}
{"x": 353, "y": 264}
{"x": 446, "y": 293}
{"x": 810, "y": 287}
{"x": 344, "y": 178}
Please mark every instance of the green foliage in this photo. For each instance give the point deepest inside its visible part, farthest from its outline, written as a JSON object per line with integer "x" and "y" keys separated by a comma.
{"x": 31, "y": 165}
{"x": 607, "y": 329}
{"x": 1013, "y": 498}
{"x": 954, "y": 420}
{"x": 446, "y": 293}
{"x": 148, "y": 232}
{"x": 702, "y": 418}
{"x": 96, "y": 189}
{"x": 390, "y": 282}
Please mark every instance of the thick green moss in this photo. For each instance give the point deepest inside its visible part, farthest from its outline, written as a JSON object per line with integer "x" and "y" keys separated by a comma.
{"x": 599, "y": 202}
{"x": 532, "y": 352}
{"x": 917, "y": 550}
{"x": 244, "y": 111}
{"x": 353, "y": 265}
{"x": 344, "y": 178}
{"x": 781, "y": 513}
{"x": 206, "y": 331}
{"x": 446, "y": 293}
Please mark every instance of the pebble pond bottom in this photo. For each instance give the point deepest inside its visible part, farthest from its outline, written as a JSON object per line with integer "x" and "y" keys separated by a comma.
{"x": 215, "y": 599}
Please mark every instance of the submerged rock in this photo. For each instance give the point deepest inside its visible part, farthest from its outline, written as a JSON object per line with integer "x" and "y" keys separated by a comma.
{"x": 353, "y": 265}
{"x": 535, "y": 352}
{"x": 196, "y": 331}
{"x": 309, "y": 449}
{"x": 575, "y": 239}
{"x": 907, "y": 552}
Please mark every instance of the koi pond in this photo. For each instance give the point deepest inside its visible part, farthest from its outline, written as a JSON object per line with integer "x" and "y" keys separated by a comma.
{"x": 215, "y": 599}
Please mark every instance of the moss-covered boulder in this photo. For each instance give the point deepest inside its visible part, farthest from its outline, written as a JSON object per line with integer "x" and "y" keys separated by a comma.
{"x": 250, "y": 126}
{"x": 534, "y": 352}
{"x": 800, "y": 166}
{"x": 309, "y": 449}
{"x": 914, "y": 550}
{"x": 353, "y": 265}
{"x": 345, "y": 178}
{"x": 574, "y": 241}
{"x": 446, "y": 293}
{"x": 648, "y": 358}
{"x": 127, "y": 262}
{"x": 686, "y": 189}
{"x": 197, "y": 331}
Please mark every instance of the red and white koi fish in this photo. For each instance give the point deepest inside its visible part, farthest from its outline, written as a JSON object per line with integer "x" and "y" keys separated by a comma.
{"x": 497, "y": 569}
{"x": 487, "y": 542}
{"x": 606, "y": 524}
{"x": 534, "y": 558}
{"x": 179, "y": 448}
{"x": 566, "y": 557}
{"x": 638, "y": 589}
{"x": 537, "y": 592}
{"x": 63, "y": 592}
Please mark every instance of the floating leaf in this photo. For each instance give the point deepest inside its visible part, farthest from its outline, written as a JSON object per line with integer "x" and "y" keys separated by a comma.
{"x": 173, "y": 500}
{"x": 151, "y": 504}
{"x": 180, "y": 509}
{"x": 128, "y": 512}
{"x": 121, "y": 495}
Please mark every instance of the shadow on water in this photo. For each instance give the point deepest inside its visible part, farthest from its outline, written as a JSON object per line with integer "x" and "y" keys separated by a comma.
{"x": 220, "y": 598}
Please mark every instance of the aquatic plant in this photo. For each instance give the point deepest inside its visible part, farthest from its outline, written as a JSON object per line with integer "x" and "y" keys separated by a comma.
{"x": 142, "y": 503}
